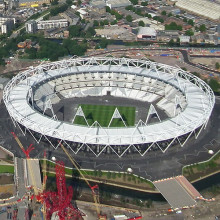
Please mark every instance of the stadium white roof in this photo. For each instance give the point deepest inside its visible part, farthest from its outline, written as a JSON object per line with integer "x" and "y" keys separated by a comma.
{"x": 200, "y": 102}
{"x": 201, "y": 7}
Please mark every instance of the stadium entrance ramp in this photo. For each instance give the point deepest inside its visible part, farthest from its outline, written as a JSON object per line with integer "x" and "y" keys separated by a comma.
{"x": 178, "y": 192}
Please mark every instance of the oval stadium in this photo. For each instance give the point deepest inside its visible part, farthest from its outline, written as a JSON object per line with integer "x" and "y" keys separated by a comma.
{"x": 106, "y": 105}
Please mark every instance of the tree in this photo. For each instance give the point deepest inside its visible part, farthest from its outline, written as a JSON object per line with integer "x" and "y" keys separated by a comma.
{"x": 113, "y": 22}
{"x": 189, "y": 32}
{"x": 44, "y": 5}
{"x": 69, "y": 2}
{"x": 202, "y": 28}
{"x": 134, "y": 2}
{"x": 191, "y": 22}
{"x": 170, "y": 14}
{"x": 118, "y": 16}
{"x": 90, "y": 32}
{"x": 141, "y": 23}
{"x": 217, "y": 65}
{"x": 171, "y": 42}
{"x": 101, "y": 23}
{"x": 173, "y": 26}
{"x": 214, "y": 84}
{"x": 164, "y": 13}
{"x": 32, "y": 52}
{"x": 59, "y": 9}
{"x": 129, "y": 18}
{"x": 54, "y": 2}
{"x": 129, "y": 7}
{"x": 95, "y": 23}
{"x": 109, "y": 175}
{"x": 149, "y": 16}
{"x": 144, "y": 3}
{"x": 185, "y": 20}
{"x": 106, "y": 22}
{"x": 103, "y": 43}
{"x": 74, "y": 30}
{"x": 108, "y": 9}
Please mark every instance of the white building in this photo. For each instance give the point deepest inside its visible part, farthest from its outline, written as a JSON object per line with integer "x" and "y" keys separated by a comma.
{"x": 117, "y": 3}
{"x": 147, "y": 33}
{"x": 7, "y": 26}
{"x": 41, "y": 25}
{"x": 184, "y": 39}
{"x": 31, "y": 26}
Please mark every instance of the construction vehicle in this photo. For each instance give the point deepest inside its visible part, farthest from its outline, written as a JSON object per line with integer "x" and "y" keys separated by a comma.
{"x": 93, "y": 188}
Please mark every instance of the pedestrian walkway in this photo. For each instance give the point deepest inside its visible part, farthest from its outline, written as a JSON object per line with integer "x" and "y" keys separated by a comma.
{"x": 178, "y": 192}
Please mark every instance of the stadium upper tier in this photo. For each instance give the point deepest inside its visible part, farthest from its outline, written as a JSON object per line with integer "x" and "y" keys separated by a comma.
{"x": 119, "y": 84}
{"x": 186, "y": 99}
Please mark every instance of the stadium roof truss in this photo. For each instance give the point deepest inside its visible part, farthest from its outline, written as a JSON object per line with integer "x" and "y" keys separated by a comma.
{"x": 19, "y": 100}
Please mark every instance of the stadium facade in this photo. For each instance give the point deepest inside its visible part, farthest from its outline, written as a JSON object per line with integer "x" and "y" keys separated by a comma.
{"x": 187, "y": 101}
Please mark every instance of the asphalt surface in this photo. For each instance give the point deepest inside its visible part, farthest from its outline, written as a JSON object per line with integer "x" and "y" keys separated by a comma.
{"x": 154, "y": 165}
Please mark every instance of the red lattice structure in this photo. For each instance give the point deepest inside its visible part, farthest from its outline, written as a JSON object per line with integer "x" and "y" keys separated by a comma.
{"x": 60, "y": 202}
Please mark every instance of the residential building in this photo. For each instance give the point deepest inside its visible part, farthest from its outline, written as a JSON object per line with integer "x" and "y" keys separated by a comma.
{"x": 41, "y": 25}
{"x": 7, "y": 26}
{"x": 31, "y": 26}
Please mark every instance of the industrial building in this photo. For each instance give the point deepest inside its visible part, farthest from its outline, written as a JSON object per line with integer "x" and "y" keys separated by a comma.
{"x": 117, "y": 3}
{"x": 71, "y": 17}
{"x": 147, "y": 33}
{"x": 204, "y": 8}
{"x": 98, "y": 6}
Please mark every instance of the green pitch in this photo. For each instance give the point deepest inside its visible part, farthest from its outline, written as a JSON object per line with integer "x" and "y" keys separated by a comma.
{"x": 103, "y": 114}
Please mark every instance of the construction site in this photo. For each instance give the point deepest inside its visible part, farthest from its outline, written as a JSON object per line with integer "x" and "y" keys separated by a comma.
{"x": 34, "y": 201}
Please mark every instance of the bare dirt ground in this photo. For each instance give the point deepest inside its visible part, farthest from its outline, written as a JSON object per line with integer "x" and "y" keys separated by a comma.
{"x": 6, "y": 179}
{"x": 7, "y": 191}
{"x": 206, "y": 61}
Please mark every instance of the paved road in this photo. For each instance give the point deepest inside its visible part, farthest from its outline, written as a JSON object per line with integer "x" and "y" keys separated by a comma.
{"x": 21, "y": 189}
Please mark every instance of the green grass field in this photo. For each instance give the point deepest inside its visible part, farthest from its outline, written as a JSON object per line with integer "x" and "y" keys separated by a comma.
{"x": 103, "y": 114}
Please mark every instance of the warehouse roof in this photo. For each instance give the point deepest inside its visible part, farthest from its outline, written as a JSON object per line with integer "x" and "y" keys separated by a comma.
{"x": 147, "y": 31}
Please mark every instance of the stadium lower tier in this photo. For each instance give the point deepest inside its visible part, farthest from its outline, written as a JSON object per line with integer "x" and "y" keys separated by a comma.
{"x": 119, "y": 150}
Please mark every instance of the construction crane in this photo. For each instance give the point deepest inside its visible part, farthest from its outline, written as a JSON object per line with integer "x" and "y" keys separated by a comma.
{"x": 59, "y": 203}
{"x": 94, "y": 194}
{"x": 26, "y": 152}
